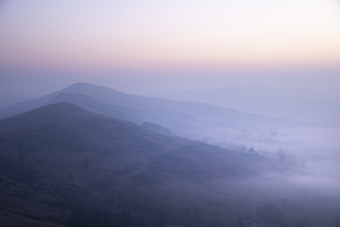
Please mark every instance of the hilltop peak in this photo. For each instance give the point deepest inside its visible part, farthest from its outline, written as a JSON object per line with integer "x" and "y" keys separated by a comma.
{"x": 82, "y": 87}
{"x": 62, "y": 106}
{"x": 52, "y": 110}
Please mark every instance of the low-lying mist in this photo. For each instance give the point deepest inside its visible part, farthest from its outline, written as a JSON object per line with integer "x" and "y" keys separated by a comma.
{"x": 310, "y": 149}
{"x": 307, "y": 187}
{"x": 152, "y": 160}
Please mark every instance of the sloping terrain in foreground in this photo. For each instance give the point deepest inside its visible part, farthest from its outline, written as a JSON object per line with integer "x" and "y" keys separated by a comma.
{"x": 62, "y": 164}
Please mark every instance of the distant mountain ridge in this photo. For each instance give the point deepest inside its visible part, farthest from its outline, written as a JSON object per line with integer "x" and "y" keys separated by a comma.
{"x": 295, "y": 102}
{"x": 182, "y": 118}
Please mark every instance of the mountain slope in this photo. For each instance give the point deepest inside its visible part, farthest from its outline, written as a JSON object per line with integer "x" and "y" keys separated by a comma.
{"x": 189, "y": 119}
{"x": 63, "y": 164}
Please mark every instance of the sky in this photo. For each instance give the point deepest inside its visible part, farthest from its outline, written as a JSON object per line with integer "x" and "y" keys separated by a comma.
{"x": 150, "y": 46}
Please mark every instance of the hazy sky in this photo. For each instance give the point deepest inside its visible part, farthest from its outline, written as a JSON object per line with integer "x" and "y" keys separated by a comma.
{"x": 201, "y": 42}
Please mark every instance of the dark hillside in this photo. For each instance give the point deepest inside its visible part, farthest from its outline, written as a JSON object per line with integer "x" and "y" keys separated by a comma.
{"x": 63, "y": 164}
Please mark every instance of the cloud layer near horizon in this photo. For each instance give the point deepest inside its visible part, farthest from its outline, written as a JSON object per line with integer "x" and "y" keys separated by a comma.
{"x": 169, "y": 34}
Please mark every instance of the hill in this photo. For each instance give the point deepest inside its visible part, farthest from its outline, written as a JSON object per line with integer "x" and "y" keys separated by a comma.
{"x": 189, "y": 119}
{"x": 62, "y": 164}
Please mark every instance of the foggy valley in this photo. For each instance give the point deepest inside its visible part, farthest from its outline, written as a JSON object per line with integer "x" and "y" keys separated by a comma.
{"x": 195, "y": 113}
{"x": 124, "y": 161}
